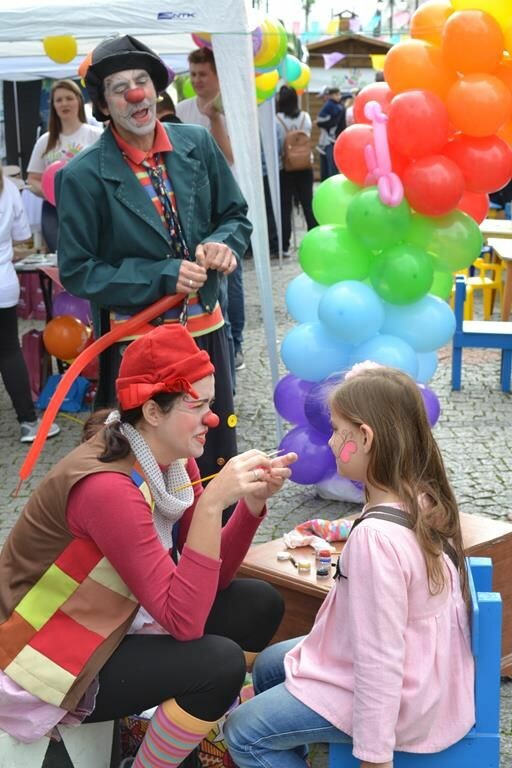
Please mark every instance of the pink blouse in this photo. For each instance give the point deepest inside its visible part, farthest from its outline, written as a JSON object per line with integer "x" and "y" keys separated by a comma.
{"x": 387, "y": 662}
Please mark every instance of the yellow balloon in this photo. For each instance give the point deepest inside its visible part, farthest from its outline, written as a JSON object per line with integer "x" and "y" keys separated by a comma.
{"x": 60, "y": 48}
{"x": 500, "y": 9}
{"x": 267, "y": 81}
{"x": 302, "y": 81}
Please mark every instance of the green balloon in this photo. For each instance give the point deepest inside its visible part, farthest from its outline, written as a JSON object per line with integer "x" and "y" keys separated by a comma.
{"x": 331, "y": 199}
{"x": 329, "y": 254}
{"x": 454, "y": 240}
{"x": 402, "y": 274}
{"x": 376, "y": 225}
{"x": 188, "y": 89}
{"x": 442, "y": 285}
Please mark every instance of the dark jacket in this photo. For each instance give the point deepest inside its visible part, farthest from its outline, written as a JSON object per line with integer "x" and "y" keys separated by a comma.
{"x": 113, "y": 248}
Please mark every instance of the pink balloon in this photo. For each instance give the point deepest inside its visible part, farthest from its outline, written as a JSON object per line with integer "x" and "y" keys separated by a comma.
{"x": 48, "y": 180}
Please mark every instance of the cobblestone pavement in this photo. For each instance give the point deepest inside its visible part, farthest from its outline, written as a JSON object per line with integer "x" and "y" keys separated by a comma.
{"x": 473, "y": 433}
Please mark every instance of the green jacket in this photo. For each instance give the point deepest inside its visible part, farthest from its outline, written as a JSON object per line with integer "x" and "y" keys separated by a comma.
{"x": 112, "y": 246}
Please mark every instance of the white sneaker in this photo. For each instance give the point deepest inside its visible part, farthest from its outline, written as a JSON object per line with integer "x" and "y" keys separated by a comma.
{"x": 28, "y": 430}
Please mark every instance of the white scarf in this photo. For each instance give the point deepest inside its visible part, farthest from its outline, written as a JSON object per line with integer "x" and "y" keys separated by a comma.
{"x": 169, "y": 504}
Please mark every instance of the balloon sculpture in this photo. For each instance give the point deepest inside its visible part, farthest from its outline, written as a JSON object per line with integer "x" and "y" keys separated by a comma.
{"x": 428, "y": 146}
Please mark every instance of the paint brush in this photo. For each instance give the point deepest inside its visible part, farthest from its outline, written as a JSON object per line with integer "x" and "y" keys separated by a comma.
{"x": 270, "y": 454}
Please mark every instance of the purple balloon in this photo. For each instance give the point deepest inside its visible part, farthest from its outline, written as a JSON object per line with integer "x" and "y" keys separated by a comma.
{"x": 289, "y": 396}
{"x": 315, "y": 461}
{"x": 432, "y": 404}
{"x": 316, "y": 406}
{"x": 171, "y": 74}
{"x": 65, "y": 303}
{"x": 257, "y": 40}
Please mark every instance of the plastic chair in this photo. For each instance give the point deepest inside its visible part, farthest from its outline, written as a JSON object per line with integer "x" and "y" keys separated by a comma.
{"x": 484, "y": 334}
{"x": 480, "y": 748}
{"x": 484, "y": 275}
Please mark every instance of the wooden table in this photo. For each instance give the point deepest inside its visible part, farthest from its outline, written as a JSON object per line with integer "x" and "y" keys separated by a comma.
{"x": 496, "y": 228}
{"x": 303, "y": 594}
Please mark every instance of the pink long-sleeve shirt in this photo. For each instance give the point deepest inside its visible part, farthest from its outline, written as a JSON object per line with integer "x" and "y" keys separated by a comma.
{"x": 387, "y": 662}
{"x": 108, "y": 508}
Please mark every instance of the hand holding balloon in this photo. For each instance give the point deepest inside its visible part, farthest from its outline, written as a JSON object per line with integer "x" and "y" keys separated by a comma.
{"x": 378, "y": 159}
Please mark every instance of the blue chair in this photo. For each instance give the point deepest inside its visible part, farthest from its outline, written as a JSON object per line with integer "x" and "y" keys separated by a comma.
{"x": 481, "y": 747}
{"x": 487, "y": 334}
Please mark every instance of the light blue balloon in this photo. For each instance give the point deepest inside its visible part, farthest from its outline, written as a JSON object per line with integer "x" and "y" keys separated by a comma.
{"x": 388, "y": 350}
{"x": 351, "y": 311}
{"x": 310, "y": 353}
{"x": 427, "y": 366}
{"x": 426, "y": 325}
{"x": 292, "y": 68}
{"x": 302, "y": 298}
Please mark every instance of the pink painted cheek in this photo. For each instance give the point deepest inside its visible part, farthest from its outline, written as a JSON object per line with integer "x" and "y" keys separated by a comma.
{"x": 348, "y": 450}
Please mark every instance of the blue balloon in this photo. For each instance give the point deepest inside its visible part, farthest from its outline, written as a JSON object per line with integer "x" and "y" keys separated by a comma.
{"x": 289, "y": 398}
{"x": 316, "y": 459}
{"x": 427, "y": 366}
{"x": 310, "y": 353}
{"x": 351, "y": 311}
{"x": 302, "y": 298}
{"x": 426, "y": 325}
{"x": 390, "y": 351}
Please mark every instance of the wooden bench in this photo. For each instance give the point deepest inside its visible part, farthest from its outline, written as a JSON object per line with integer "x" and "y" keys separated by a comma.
{"x": 303, "y": 594}
{"x": 486, "y": 334}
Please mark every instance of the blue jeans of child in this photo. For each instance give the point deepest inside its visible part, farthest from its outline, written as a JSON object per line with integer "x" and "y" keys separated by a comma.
{"x": 272, "y": 729}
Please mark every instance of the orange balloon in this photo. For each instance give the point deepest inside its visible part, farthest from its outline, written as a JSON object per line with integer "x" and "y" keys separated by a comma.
{"x": 417, "y": 64}
{"x": 479, "y": 105}
{"x": 472, "y": 42}
{"x": 65, "y": 337}
{"x": 84, "y": 65}
{"x": 429, "y": 19}
{"x": 505, "y": 132}
{"x": 504, "y": 72}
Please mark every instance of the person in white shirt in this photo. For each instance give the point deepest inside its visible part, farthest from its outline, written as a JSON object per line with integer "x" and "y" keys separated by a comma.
{"x": 14, "y": 226}
{"x": 206, "y": 109}
{"x": 69, "y": 133}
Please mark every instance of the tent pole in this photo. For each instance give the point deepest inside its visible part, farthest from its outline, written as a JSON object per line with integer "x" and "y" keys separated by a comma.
{"x": 17, "y": 119}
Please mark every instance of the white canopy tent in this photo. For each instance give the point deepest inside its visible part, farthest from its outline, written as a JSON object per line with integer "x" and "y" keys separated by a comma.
{"x": 165, "y": 25}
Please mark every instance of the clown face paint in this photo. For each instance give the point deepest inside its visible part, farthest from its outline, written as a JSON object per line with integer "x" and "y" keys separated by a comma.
{"x": 346, "y": 443}
{"x": 130, "y": 97}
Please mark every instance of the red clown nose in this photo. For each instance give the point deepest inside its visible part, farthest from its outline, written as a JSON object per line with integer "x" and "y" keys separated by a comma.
{"x": 211, "y": 420}
{"x": 134, "y": 95}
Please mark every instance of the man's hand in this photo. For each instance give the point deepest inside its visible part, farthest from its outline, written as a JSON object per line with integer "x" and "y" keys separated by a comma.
{"x": 216, "y": 256}
{"x": 191, "y": 277}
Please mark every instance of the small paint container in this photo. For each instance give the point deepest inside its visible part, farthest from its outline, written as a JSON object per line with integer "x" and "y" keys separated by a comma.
{"x": 283, "y": 556}
{"x": 303, "y": 567}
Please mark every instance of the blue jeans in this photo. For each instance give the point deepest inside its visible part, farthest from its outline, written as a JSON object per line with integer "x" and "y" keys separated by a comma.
{"x": 270, "y": 731}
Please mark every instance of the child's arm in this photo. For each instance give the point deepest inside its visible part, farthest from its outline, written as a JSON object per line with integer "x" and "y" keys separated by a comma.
{"x": 366, "y": 764}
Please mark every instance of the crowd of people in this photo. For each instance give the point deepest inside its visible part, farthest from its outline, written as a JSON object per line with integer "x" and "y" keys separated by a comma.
{"x": 118, "y": 583}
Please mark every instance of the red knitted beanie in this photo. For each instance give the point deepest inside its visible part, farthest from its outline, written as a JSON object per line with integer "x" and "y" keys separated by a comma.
{"x": 166, "y": 359}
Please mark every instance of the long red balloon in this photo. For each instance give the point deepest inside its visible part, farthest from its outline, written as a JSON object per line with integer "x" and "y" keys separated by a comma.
{"x": 77, "y": 366}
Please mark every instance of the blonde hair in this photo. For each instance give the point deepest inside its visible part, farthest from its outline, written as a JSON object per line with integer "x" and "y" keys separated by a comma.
{"x": 54, "y": 122}
{"x": 405, "y": 460}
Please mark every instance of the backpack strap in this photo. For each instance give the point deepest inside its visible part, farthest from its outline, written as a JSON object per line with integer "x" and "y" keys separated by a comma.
{"x": 286, "y": 130}
{"x": 394, "y": 515}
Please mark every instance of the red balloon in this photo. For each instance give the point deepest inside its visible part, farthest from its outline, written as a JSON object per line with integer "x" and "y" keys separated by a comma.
{"x": 349, "y": 152}
{"x": 380, "y": 92}
{"x": 433, "y": 185}
{"x": 475, "y": 204}
{"x": 48, "y": 180}
{"x": 485, "y": 161}
{"x": 65, "y": 337}
{"x": 418, "y": 123}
